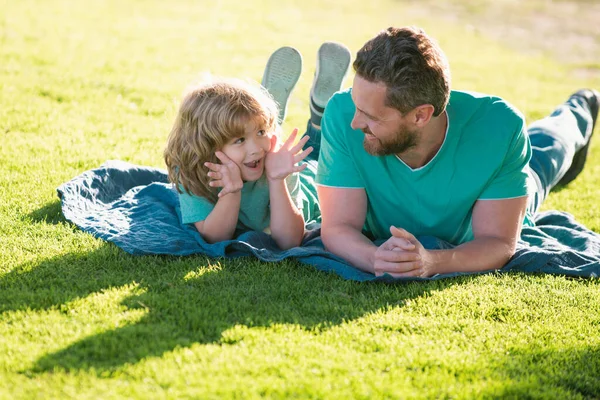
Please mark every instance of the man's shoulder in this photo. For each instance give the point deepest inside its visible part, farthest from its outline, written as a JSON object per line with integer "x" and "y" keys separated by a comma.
{"x": 338, "y": 113}
{"x": 474, "y": 106}
{"x": 342, "y": 101}
{"x": 487, "y": 125}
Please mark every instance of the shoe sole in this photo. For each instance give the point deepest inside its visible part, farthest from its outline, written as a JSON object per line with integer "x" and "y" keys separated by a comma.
{"x": 581, "y": 156}
{"x": 281, "y": 74}
{"x": 333, "y": 62}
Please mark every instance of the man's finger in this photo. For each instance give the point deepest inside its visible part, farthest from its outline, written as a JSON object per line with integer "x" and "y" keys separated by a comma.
{"x": 415, "y": 273}
{"x": 398, "y": 256}
{"x": 395, "y": 242}
{"x": 402, "y": 233}
{"x": 396, "y": 268}
{"x": 402, "y": 243}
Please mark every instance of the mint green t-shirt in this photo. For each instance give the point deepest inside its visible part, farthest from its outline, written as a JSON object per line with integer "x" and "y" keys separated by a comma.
{"x": 255, "y": 203}
{"x": 484, "y": 156}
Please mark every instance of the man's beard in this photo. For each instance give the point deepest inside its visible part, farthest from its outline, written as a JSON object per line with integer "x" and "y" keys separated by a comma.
{"x": 403, "y": 140}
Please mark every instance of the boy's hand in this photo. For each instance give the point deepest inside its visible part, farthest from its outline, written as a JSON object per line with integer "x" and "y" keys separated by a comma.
{"x": 281, "y": 161}
{"x": 226, "y": 175}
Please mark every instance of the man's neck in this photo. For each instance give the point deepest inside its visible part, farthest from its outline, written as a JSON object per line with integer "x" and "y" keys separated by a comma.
{"x": 431, "y": 139}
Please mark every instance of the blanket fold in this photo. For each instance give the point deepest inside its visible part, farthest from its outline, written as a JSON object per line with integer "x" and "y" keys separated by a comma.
{"x": 137, "y": 209}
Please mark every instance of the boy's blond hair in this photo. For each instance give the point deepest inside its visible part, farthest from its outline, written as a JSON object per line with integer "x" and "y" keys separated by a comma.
{"x": 210, "y": 115}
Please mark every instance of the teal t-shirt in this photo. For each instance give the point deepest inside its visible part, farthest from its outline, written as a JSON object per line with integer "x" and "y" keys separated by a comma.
{"x": 254, "y": 207}
{"x": 485, "y": 155}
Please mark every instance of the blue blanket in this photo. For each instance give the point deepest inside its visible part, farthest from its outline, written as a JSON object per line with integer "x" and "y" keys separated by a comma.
{"x": 136, "y": 208}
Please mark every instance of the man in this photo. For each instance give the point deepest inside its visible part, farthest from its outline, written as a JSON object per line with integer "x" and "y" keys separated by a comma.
{"x": 404, "y": 156}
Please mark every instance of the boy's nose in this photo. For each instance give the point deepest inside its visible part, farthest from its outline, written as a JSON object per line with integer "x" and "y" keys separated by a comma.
{"x": 255, "y": 147}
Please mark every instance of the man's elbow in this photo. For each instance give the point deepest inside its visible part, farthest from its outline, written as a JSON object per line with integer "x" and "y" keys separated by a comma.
{"x": 326, "y": 235}
{"x": 507, "y": 247}
{"x": 511, "y": 249}
{"x": 331, "y": 234}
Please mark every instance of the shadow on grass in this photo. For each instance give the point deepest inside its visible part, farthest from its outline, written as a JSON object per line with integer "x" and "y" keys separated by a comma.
{"x": 187, "y": 302}
{"x": 548, "y": 373}
{"x": 50, "y": 213}
{"x": 559, "y": 188}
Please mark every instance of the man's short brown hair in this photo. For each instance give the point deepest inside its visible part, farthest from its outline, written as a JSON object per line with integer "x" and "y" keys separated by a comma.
{"x": 411, "y": 65}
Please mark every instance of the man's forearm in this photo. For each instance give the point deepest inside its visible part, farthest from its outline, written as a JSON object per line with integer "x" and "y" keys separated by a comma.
{"x": 351, "y": 245}
{"x": 480, "y": 254}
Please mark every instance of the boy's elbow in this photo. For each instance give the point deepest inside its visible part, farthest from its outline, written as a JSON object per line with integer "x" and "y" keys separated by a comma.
{"x": 286, "y": 245}
{"x": 212, "y": 237}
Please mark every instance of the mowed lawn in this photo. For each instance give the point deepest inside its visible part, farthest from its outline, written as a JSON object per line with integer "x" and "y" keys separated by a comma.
{"x": 82, "y": 82}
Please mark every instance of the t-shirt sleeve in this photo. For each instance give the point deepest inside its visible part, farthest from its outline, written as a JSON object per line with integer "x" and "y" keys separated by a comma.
{"x": 194, "y": 208}
{"x": 336, "y": 164}
{"x": 512, "y": 178}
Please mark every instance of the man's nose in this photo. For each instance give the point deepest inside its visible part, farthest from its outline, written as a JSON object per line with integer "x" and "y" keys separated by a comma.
{"x": 356, "y": 122}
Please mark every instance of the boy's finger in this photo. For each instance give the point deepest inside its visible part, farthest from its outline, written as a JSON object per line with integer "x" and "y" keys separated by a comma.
{"x": 298, "y": 168}
{"x": 223, "y": 191}
{"x": 274, "y": 139}
{"x": 302, "y": 156}
{"x": 212, "y": 166}
{"x": 216, "y": 183}
{"x": 221, "y": 156}
{"x": 299, "y": 145}
{"x": 290, "y": 140}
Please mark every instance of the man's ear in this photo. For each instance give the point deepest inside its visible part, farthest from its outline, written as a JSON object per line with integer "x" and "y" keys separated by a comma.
{"x": 422, "y": 114}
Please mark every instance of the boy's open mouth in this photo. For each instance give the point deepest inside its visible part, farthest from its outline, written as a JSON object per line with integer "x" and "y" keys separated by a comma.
{"x": 253, "y": 164}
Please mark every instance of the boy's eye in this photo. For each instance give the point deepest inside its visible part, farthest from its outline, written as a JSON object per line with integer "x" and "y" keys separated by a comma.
{"x": 261, "y": 132}
{"x": 239, "y": 140}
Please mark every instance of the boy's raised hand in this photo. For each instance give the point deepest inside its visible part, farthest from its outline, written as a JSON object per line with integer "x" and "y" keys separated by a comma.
{"x": 226, "y": 175}
{"x": 281, "y": 160}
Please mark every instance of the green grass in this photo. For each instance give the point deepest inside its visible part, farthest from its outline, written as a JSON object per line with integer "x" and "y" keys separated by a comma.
{"x": 83, "y": 82}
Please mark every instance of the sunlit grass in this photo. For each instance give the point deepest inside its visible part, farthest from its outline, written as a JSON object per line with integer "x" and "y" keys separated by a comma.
{"x": 83, "y": 82}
